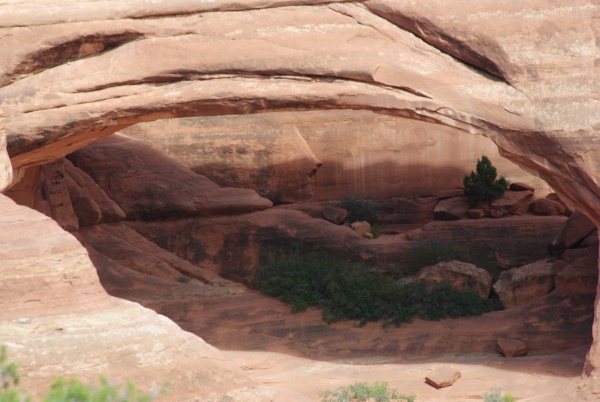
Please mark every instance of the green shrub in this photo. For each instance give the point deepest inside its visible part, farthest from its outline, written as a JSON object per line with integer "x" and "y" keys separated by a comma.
{"x": 360, "y": 209}
{"x": 184, "y": 279}
{"x": 482, "y": 184}
{"x": 495, "y": 396}
{"x": 361, "y": 392}
{"x": 9, "y": 378}
{"x": 350, "y": 291}
{"x": 71, "y": 390}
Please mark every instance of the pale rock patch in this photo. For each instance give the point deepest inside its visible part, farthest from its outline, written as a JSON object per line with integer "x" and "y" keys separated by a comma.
{"x": 443, "y": 377}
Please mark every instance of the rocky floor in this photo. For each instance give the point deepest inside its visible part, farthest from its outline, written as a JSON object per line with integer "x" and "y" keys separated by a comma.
{"x": 302, "y": 354}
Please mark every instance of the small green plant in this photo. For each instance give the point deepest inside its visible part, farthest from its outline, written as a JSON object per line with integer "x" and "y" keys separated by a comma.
{"x": 350, "y": 291}
{"x": 360, "y": 209}
{"x": 9, "y": 378}
{"x": 184, "y": 279}
{"x": 495, "y": 395}
{"x": 72, "y": 390}
{"x": 376, "y": 231}
{"x": 482, "y": 184}
{"x": 361, "y": 392}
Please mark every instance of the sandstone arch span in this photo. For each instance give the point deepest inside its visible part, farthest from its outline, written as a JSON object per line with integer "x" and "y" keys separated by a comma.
{"x": 524, "y": 75}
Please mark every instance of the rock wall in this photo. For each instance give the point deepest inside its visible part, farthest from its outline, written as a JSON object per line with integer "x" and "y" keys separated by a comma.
{"x": 323, "y": 155}
{"x": 523, "y": 74}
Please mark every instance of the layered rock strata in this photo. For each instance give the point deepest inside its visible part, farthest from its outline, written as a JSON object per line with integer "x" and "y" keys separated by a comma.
{"x": 523, "y": 74}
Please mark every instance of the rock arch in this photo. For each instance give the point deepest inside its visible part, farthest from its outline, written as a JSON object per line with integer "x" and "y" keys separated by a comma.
{"x": 526, "y": 78}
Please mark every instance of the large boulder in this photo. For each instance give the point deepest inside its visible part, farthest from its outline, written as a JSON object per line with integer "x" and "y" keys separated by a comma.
{"x": 579, "y": 276}
{"x": 451, "y": 209}
{"x": 546, "y": 207}
{"x": 572, "y": 232}
{"x": 511, "y": 203}
{"x": 523, "y": 285}
{"x": 460, "y": 275}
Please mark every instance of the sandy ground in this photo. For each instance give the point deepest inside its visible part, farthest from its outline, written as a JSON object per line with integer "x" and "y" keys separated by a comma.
{"x": 549, "y": 378}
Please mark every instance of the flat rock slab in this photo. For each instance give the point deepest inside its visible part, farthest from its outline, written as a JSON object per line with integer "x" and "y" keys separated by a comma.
{"x": 443, "y": 377}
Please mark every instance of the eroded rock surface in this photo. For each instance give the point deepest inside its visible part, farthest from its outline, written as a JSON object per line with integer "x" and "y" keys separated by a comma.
{"x": 74, "y": 72}
{"x": 57, "y": 320}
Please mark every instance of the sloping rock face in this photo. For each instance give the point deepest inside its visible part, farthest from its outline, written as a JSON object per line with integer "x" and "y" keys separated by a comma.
{"x": 58, "y": 321}
{"x": 361, "y": 151}
{"x": 146, "y": 184}
{"x": 74, "y": 72}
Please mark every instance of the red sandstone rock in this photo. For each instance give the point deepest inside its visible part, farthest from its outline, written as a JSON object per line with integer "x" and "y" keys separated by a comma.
{"x": 512, "y": 241}
{"x": 542, "y": 56}
{"x": 580, "y": 276}
{"x": 334, "y": 214}
{"x": 456, "y": 192}
{"x": 511, "y": 347}
{"x": 475, "y": 213}
{"x": 511, "y": 203}
{"x": 451, "y": 209}
{"x": 110, "y": 211}
{"x": 522, "y": 285}
{"x": 518, "y": 186}
{"x": 546, "y": 207}
{"x": 56, "y": 192}
{"x": 147, "y": 184}
{"x": 84, "y": 206}
{"x": 91, "y": 333}
{"x": 459, "y": 275}
{"x": 396, "y": 164}
{"x": 574, "y": 230}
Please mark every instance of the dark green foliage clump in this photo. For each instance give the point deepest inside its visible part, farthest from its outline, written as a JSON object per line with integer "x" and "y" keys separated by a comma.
{"x": 482, "y": 184}
{"x": 350, "y": 291}
{"x": 360, "y": 209}
{"x": 362, "y": 392}
{"x": 433, "y": 251}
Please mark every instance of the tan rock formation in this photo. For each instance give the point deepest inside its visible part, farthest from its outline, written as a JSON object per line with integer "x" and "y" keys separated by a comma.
{"x": 365, "y": 153}
{"x": 57, "y": 320}
{"x": 443, "y": 377}
{"x": 77, "y": 71}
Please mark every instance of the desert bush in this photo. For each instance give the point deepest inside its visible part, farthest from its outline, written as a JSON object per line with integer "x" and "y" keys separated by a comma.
{"x": 495, "y": 395}
{"x": 351, "y": 291}
{"x": 360, "y": 209}
{"x": 71, "y": 390}
{"x": 361, "y": 392}
{"x": 482, "y": 184}
{"x": 184, "y": 279}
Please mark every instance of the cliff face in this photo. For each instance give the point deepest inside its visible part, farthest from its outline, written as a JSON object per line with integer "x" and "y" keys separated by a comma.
{"x": 523, "y": 74}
